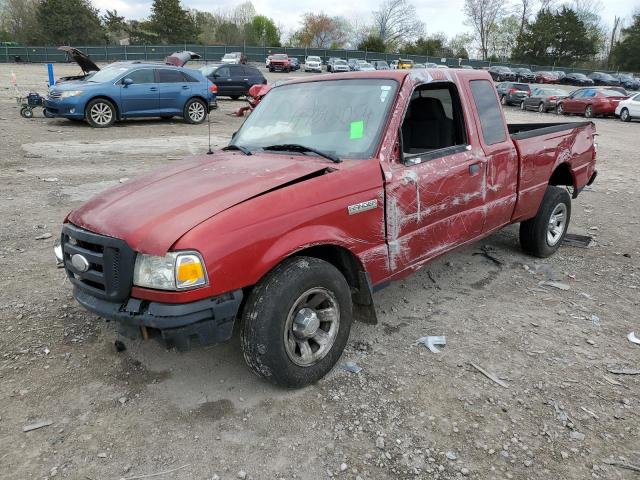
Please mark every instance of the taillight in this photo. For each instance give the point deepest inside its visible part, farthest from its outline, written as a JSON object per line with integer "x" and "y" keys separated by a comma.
{"x": 512, "y": 90}
{"x": 553, "y": 98}
{"x": 213, "y": 88}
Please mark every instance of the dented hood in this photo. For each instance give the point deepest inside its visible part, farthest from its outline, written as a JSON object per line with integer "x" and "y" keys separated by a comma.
{"x": 151, "y": 213}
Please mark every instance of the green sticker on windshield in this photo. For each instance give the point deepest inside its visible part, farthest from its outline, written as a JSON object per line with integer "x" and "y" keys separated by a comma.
{"x": 357, "y": 130}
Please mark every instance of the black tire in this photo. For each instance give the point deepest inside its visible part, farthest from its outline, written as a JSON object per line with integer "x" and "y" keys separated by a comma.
{"x": 624, "y": 115}
{"x": 234, "y": 97}
{"x": 503, "y": 100}
{"x": 588, "y": 112}
{"x": 195, "y": 111}
{"x": 100, "y": 113}
{"x": 541, "y": 108}
{"x": 26, "y": 112}
{"x": 47, "y": 113}
{"x": 560, "y": 109}
{"x": 269, "y": 308}
{"x": 522, "y": 106}
{"x": 535, "y": 233}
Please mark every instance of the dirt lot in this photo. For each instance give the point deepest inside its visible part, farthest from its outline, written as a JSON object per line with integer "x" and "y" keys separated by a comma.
{"x": 409, "y": 413}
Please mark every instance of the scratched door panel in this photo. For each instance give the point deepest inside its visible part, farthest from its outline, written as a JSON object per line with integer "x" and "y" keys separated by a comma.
{"x": 433, "y": 206}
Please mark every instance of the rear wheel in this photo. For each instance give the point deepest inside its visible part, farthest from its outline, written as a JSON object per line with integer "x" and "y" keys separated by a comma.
{"x": 26, "y": 112}
{"x": 560, "y": 109}
{"x": 542, "y": 235}
{"x": 296, "y": 322}
{"x": 624, "y": 115}
{"x": 503, "y": 100}
{"x": 588, "y": 112}
{"x": 541, "y": 108}
{"x": 195, "y": 111}
{"x": 100, "y": 113}
{"x": 522, "y": 106}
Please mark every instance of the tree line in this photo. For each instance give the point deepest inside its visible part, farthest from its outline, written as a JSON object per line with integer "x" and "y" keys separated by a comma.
{"x": 544, "y": 32}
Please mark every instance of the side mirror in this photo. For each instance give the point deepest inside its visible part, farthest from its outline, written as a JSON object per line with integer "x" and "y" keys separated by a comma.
{"x": 127, "y": 81}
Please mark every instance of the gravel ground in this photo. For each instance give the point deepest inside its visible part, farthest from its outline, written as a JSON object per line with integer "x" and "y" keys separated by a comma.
{"x": 565, "y": 410}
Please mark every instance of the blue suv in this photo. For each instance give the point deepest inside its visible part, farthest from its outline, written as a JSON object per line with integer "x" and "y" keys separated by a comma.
{"x": 126, "y": 90}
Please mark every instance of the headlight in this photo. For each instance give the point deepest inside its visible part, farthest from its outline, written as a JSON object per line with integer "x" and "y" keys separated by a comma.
{"x": 71, "y": 93}
{"x": 174, "y": 271}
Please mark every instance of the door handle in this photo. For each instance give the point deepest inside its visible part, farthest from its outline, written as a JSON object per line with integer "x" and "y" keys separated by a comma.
{"x": 154, "y": 89}
{"x": 184, "y": 87}
{"x": 474, "y": 168}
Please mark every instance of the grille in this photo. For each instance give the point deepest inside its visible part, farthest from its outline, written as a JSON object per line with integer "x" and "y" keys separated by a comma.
{"x": 111, "y": 261}
{"x": 53, "y": 95}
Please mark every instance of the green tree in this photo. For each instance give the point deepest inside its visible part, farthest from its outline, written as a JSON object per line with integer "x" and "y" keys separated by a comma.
{"x": 228, "y": 33}
{"x": 19, "y": 22}
{"x": 171, "y": 22}
{"x": 114, "y": 25}
{"x": 433, "y": 45}
{"x": 556, "y": 36}
{"x": 141, "y": 33}
{"x": 626, "y": 53}
{"x": 372, "y": 43}
{"x": 71, "y": 22}
{"x": 261, "y": 31}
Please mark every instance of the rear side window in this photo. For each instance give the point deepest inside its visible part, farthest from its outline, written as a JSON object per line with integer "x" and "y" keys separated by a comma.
{"x": 189, "y": 78}
{"x": 170, "y": 76}
{"x": 141, "y": 76}
{"x": 251, "y": 71}
{"x": 522, "y": 86}
{"x": 489, "y": 112}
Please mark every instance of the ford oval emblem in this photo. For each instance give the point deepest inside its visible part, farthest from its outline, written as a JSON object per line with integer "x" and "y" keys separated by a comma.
{"x": 80, "y": 263}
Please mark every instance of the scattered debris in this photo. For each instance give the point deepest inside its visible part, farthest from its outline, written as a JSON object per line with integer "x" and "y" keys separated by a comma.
{"x": 124, "y": 179}
{"x": 102, "y": 455}
{"x": 165, "y": 472}
{"x": 623, "y": 371}
{"x": 590, "y": 413}
{"x": 595, "y": 320}
{"x": 432, "y": 340}
{"x": 486, "y": 252}
{"x": 561, "y": 414}
{"x": 554, "y": 284}
{"x": 489, "y": 375}
{"x": 633, "y": 339}
{"x": 120, "y": 346}
{"x": 351, "y": 367}
{"x": 44, "y": 236}
{"x": 577, "y": 436}
{"x": 612, "y": 381}
{"x": 36, "y": 426}
{"x": 627, "y": 466}
{"x": 380, "y": 443}
{"x": 242, "y": 474}
{"x": 575, "y": 240}
{"x": 50, "y": 179}
{"x": 452, "y": 455}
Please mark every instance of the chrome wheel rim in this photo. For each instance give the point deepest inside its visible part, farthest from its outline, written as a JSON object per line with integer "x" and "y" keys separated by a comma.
{"x": 101, "y": 113}
{"x": 312, "y": 326}
{"x": 196, "y": 111}
{"x": 588, "y": 112}
{"x": 521, "y": 105}
{"x": 560, "y": 109}
{"x": 541, "y": 108}
{"x": 624, "y": 115}
{"x": 557, "y": 224}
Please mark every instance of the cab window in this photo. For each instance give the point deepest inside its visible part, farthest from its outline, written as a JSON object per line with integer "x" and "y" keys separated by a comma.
{"x": 489, "y": 111}
{"x": 144, "y": 75}
{"x": 169, "y": 76}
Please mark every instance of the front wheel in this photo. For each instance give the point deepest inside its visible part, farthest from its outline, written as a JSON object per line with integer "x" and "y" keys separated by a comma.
{"x": 588, "y": 112}
{"x": 560, "y": 109}
{"x": 100, "y": 113}
{"x": 522, "y": 107}
{"x": 195, "y": 111}
{"x": 503, "y": 100}
{"x": 26, "y": 112}
{"x": 624, "y": 115}
{"x": 296, "y": 322}
{"x": 48, "y": 114}
{"x": 541, "y": 108}
{"x": 542, "y": 235}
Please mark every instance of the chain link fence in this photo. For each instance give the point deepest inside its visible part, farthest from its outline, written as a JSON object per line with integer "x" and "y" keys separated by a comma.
{"x": 209, "y": 53}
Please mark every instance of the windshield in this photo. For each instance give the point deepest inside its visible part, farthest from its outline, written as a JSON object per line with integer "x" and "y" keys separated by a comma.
{"x": 340, "y": 62}
{"x": 313, "y": 59}
{"x": 341, "y": 117}
{"x": 108, "y": 74}
{"x": 280, "y": 57}
{"x": 230, "y": 55}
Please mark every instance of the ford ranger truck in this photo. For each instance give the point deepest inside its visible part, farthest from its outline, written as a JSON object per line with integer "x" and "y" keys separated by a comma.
{"x": 286, "y": 232}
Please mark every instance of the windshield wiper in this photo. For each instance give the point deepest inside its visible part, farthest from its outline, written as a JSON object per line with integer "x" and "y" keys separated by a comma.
{"x": 244, "y": 150}
{"x": 295, "y": 147}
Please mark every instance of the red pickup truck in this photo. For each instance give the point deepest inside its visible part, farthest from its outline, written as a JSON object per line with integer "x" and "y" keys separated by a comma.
{"x": 279, "y": 63}
{"x": 313, "y": 206}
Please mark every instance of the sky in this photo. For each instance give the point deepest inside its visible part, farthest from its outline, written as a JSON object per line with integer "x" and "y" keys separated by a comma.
{"x": 287, "y": 13}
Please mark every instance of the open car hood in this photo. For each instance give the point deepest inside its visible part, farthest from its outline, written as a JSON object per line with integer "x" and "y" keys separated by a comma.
{"x": 81, "y": 58}
{"x": 179, "y": 59}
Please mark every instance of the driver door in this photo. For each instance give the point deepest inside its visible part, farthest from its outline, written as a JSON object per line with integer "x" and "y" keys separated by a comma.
{"x": 142, "y": 96}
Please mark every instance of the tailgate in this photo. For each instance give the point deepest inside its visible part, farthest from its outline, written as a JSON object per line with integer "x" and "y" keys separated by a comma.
{"x": 565, "y": 150}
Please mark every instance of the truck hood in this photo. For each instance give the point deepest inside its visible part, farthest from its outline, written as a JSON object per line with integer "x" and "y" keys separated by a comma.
{"x": 152, "y": 212}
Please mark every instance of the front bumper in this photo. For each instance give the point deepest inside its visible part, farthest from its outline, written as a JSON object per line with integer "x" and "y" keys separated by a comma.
{"x": 68, "y": 108}
{"x": 209, "y": 321}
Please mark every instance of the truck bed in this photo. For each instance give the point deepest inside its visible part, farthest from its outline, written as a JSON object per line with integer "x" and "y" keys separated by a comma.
{"x": 563, "y": 152}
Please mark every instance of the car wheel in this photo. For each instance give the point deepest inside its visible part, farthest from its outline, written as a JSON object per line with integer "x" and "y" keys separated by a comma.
{"x": 560, "y": 109}
{"x": 100, "y": 113}
{"x": 588, "y": 112}
{"x": 542, "y": 235}
{"x": 296, "y": 322}
{"x": 503, "y": 100}
{"x": 541, "y": 108}
{"x": 234, "y": 97}
{"x": 195, "y": 111}
{"x": 48, "y": 114}
{"x": 522, "y": 106}
{"x": 26, "y": 112}
{"x": 624, "y": 115}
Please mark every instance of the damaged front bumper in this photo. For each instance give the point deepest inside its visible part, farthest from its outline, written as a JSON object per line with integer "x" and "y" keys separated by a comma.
{"x": 208, "y": 321}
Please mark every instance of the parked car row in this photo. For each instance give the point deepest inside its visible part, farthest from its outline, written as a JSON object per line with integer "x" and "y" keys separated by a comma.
{"x": 589, "y": 102}
{"x": 501, "y": 73}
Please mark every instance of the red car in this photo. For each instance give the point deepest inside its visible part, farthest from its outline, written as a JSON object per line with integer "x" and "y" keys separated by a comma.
{"x": 313, "y": 206}
{"x": 280, "y": 63}
{"x": 546, "y": 77}
{"x": 591, "y": 102}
